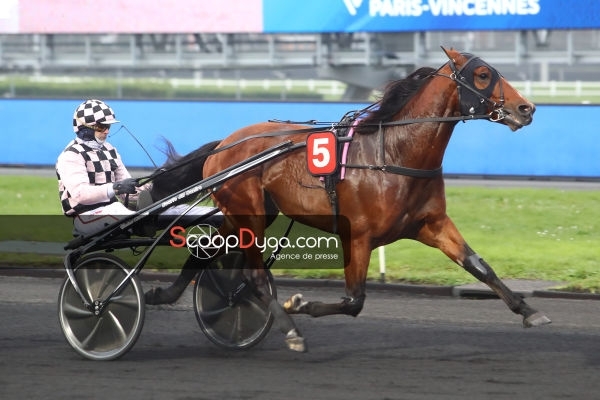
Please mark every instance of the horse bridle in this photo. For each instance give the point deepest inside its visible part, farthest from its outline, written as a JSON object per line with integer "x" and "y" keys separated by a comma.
{"x": 474, "y": 101}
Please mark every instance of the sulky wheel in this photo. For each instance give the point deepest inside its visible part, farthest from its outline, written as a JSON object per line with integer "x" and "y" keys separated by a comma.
{"x": 226, "y": 307}
{"x": 114, "y": 331}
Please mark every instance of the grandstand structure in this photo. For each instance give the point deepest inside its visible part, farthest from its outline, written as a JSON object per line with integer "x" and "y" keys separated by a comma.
{"x": 363, "y": 61}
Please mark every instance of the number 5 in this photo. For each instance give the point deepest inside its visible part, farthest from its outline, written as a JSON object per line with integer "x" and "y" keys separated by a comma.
{"x": 321, "y": 153}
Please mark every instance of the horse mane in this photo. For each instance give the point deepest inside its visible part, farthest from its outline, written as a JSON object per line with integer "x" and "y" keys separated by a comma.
{"x": 396, "y": 94}
{"x": 172, "y": 155}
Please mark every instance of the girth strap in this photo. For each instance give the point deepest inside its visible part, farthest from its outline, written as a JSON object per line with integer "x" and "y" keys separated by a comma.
{"x": 395, "y": 169}
{"x": 330, "y": 187}
{"x": 412, "y": 172}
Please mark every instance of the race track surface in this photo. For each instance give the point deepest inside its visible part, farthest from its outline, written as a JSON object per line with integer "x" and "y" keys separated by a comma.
{"x": 400, "y": 347}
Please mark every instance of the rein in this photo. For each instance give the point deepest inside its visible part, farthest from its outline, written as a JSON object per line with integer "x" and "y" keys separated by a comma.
{"x": 161, "y": 170}
{"x": 412, "y": 172}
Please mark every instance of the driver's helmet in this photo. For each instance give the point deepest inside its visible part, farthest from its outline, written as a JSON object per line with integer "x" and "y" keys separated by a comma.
{"x": 93, "y": 114}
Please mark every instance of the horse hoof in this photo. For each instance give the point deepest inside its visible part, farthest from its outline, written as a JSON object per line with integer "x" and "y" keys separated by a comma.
{"x": 295, "y": 342}
{"x": 294, "y": 304}
{"x": 537, "y": 319}
{"x": 150, "y": 296}
{"x": 153, "y": 296}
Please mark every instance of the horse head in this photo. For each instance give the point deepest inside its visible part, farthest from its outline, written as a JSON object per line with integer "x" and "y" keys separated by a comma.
{"x": 483, "y": 90}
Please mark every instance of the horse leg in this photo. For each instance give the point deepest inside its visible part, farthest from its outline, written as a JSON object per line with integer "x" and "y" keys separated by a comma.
{"x": 444, "y": 235}
{"x": 259, "y": 279}
{"x": 171, "y": 294}
{"x": 293, "y": 339}
{"x": 357, "y": 254}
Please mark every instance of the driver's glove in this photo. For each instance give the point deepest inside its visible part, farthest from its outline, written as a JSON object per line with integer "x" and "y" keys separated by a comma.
{"x": 126, "y": 186}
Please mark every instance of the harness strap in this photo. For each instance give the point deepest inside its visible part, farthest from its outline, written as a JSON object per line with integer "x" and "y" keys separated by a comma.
{"x": 331, "y": 189}
{"x": 396, "y": 169}
{"x": 435, "y": 119}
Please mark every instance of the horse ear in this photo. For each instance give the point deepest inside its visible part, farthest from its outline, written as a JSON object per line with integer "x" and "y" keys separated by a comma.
{"x": 450, "y": 53}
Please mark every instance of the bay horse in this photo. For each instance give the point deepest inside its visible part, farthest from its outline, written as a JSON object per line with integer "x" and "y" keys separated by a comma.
{"x": 393, "y": 186}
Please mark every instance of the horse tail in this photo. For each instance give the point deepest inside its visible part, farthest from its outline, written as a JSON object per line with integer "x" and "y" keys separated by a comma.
{"x": 179, "y": 172}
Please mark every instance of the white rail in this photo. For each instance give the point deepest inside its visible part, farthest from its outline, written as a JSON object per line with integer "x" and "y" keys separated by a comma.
{"x": 579, "y": 92}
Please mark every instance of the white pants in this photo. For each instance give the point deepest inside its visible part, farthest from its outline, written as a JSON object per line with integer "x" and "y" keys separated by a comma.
{"x": 92, "y": 221}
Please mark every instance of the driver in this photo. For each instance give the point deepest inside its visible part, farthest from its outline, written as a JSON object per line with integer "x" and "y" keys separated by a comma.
{"x": 93, "y": 182}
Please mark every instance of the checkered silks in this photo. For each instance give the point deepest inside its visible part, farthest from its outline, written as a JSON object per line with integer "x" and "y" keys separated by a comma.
{"x": 100, "y": 165}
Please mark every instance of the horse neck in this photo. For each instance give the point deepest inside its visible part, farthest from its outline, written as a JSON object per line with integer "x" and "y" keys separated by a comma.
{"x": 422, "y": 145}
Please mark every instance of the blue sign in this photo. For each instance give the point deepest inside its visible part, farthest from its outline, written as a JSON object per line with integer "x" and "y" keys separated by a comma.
{"x": 550, "y": 146}
{"x": 281, "y": 16}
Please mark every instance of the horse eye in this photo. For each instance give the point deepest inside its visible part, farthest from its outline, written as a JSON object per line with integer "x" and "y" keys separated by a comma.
{"x": 483, "y": 75}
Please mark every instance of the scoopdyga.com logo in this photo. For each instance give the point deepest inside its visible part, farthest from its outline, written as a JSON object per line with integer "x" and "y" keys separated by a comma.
{"x": 205, "y": 242}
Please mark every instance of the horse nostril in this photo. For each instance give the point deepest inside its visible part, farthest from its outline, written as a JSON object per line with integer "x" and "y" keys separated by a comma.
{"x": 526, "y": 109}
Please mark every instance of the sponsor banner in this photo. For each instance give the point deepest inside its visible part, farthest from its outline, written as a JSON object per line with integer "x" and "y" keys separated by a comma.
{"x": 291, "y": 16}
{"x": 131, "y": 16}
{"x": 425, "y": 15}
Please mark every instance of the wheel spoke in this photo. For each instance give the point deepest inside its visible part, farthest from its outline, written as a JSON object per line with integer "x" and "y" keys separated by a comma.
{"x": 87, "y": 343}
{"x": 216, "y": 286}
{"x": 256, "y": 306}
{"x": 229, "y": 326}
{"x": 76, "y": 312}
{"x": 107, "y": 282}
{"x": 117, "y": 327}
{"x": 85, "y": 284}
{"x": 213, "y": 313}
{"x": 235, "y": 333}
{"x": 127, "y": 301}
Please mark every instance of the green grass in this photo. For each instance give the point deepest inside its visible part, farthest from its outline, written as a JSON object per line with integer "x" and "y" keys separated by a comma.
{"x": 29, "y": 195}
{"x": 522, "y": 233}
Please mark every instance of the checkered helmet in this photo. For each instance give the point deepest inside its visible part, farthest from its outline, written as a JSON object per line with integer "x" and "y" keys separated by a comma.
{"x": 92, "y": 112}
